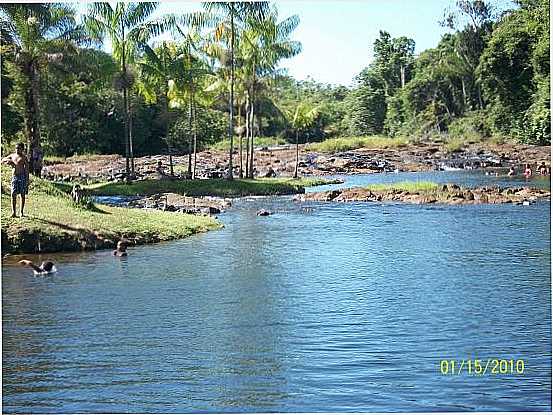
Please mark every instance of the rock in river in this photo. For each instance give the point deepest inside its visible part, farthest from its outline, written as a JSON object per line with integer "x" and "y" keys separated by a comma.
{"x": 447, "y": 194}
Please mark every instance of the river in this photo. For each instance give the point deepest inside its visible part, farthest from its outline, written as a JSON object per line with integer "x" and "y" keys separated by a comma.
{"x": 319, "y": 307}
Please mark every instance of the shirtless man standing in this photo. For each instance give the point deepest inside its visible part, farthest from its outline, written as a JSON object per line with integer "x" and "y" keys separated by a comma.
{"x": 20, "y": 178}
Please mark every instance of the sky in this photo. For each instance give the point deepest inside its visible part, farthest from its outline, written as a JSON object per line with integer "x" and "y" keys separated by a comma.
{"x": 337, "y": 35}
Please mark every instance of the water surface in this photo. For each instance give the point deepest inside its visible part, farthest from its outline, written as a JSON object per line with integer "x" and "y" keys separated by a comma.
{"x": 319, "y": 307}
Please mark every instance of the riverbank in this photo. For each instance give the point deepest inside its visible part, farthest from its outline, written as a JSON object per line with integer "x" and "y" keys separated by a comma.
{"x": 53, "y": 223}
{"x": 211, "y": 187}
{"x": 338, "y": 156}
{"x": 429, "y": 192}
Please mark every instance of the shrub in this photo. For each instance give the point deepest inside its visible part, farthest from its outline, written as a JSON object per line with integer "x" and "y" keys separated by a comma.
{"x": 472, "y": 127}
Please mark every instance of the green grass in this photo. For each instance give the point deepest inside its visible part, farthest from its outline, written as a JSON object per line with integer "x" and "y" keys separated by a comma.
{"x": 210, "y": 187}
{"x": 55, "y": 223}
{"x": 224, "y": 145}
{"x": 48, "y": 160}
{"x": 411, "y": 187}
{"x": 336, "y": 145}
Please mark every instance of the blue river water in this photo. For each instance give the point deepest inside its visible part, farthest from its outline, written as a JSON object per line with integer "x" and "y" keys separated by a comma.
{"x": 319, "y": 307}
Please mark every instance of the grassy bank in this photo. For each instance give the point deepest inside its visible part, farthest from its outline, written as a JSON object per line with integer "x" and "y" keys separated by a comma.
{"x": 257, "y": 142}
{"x": 54, "y": 223}
{"x": 411, "y": 187}
{"x": 211, "y": 187}
{"x": 335, "y": 145}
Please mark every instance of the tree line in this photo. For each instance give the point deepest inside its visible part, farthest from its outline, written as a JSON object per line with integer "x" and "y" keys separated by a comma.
{"x": 64, "y": 95}
{"x": 490, "y": 77}
{"x": 218, "y": 77}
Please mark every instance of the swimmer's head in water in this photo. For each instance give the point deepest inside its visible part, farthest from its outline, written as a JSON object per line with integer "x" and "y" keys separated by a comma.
{"x": 47, "y": 266}
{"x": 121, "y": 246}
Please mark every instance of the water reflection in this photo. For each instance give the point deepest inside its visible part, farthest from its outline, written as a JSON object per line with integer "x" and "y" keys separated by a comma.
{"x": 319, "y": 307}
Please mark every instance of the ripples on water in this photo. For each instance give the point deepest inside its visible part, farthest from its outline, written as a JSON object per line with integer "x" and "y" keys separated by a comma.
{"x": 320, "y": 307}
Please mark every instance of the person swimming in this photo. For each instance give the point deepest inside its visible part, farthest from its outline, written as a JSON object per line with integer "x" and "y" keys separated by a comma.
{"x": 121, "y": 249}
{"x": 47, "y": 267}
{"x": 543, "y": 169}
{"x": 527, "y": 171}
{"x": 511, "y": 171}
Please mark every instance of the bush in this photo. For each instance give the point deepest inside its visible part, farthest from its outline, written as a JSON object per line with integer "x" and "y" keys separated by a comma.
{"x": 537, "y": 119}
{"x": 471, "y": 127}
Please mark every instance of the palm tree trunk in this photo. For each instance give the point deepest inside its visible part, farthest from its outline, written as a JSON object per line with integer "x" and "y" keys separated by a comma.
{"x": 252, "y": 121}
{"x": 240, "y": 171}
{"x": 297, "y": 154}
{"x": 125, "y": 101}
{"x": 169, "y": 147}
{"x": 131, "y": 152}
{"x": 31, "y": 121}
{"x": 231, "y": 100}
{"x": 247, "y": 121}
{"x": 189, "y": 137}
{"x": 195, "y": 133}
{"x": 127, "y": 161}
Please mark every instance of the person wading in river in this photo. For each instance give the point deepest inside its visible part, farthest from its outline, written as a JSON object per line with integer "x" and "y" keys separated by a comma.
{"x": 121, "y": 249}
{"x": 20, "y": 178}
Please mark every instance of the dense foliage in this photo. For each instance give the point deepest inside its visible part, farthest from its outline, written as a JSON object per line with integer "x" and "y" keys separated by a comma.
{"x": 489, "y": 76}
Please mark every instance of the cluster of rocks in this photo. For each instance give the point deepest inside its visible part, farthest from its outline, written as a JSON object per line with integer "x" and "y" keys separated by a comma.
{"x": 172, "y": 202}
{"x": 447, "y": 194}
{"x": 349, "y": 162}
{"x": 478, "y": 159}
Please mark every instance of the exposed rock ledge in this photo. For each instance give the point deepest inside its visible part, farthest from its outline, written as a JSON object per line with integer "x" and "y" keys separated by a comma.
{"x": 446, "y": 194}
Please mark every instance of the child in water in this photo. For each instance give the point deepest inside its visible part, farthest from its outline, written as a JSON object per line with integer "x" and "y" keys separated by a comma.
{"x": 527, "y": 171}
{"x": 47, "y": 267}
{"x": 121, "y": 249}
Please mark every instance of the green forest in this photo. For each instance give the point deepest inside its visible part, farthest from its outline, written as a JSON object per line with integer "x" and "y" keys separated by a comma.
{"x": 219, "y": 77}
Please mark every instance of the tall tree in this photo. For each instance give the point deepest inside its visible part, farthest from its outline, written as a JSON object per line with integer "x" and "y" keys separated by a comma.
{"x": 514, "y": 71}
{"x": 265, "y": 42}
{"x": 36, "y": 34}
{"x": 126, "y": 26}
{"x": 303, "y": 118}
{"x": 160, "y": 69}
{"x": 230, "y": 15}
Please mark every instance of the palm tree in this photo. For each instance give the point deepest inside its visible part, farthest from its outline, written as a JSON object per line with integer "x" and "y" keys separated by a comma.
{"x": 36, "y": 34}
{"x": 126, "y": 26}
{"x": 303, "y": 118}
{"x": 193, "y": 50}
{"x": 230, "y": 14}
{"x": 160, "y": 67}
{"x": 265, "y": 41}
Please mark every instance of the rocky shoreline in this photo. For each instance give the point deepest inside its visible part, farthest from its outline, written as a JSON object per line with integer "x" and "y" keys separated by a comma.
{"x": 172, "y": 202}
{"x": 279, "y": 161}
{"x": 447, "y": 194}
